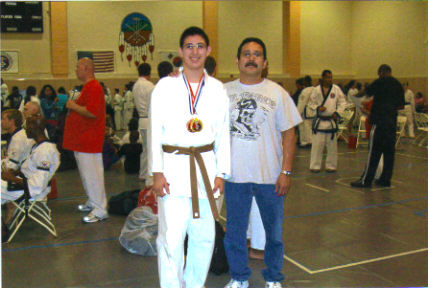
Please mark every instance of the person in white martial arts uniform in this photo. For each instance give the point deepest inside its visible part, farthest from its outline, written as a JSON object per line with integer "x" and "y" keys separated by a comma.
{"x": 327, "y": 102}
{"x": 189, "y": 118}
{"x": 128, "y": 104}
{"x": 263, "y": 117}
{"x": 142, "y": 91}
{"x": 38, "y": 168}
{"x": 409, "y": 110}
{"x": 305, "y": 128}
{"x": 84, "y": 134}
{"x": 118, "y": 110}
{"x": 18, "y": 146}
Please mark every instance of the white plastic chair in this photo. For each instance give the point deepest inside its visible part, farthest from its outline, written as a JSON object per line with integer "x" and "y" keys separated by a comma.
{"x": 33, "y": 208}
{"x": 343, "y": 125}
{"x": 421, "y": 120}
{"x": 361, "y": 132}
{"x": 401, "y": 124}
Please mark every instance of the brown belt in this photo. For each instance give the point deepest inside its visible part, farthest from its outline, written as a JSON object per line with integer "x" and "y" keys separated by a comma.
{"x": 195, "y": 152}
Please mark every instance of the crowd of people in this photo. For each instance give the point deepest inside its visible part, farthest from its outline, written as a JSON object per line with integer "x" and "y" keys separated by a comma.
{"x": 232, "y": 131}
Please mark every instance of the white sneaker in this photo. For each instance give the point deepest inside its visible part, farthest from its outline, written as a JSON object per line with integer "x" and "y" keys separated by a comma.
{"x": 273, "y": 285}
{"x": 84, "y": 208}
{"x": 92, "y": 218}
{"x": 237, "y": 284}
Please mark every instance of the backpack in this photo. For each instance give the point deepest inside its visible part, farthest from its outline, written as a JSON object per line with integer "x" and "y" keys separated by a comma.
{"x": 219, "y": 263}
{"x": 123, "y": 203}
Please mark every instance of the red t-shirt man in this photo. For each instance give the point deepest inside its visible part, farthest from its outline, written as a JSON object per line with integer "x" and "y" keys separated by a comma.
{"x": 84, "y": 134}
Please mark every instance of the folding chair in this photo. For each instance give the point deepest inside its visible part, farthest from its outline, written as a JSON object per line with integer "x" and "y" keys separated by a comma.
{"x": 401, "y": 124}
{"x": 421, "y": 120}
{"x": 361, "y": 131}
{"x": 34, "y": 208}
{"x": 343, "y": 125}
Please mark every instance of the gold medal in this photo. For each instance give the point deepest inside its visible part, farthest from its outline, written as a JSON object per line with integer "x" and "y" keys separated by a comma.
{"x": 194, "y": 125}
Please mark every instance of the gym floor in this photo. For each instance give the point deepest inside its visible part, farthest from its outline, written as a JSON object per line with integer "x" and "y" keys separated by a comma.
{"x": 334, "y": 235}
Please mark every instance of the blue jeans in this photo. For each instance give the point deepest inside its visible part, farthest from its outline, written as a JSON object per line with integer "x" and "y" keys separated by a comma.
{"x": 238, "y": 204}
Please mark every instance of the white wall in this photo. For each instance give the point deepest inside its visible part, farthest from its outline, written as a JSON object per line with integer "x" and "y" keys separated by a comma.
{"x": 168, "y": 19}
{"x": 242, "y": 19}
{"x": 391, "y": 32}
{"x": 326, "y": 37}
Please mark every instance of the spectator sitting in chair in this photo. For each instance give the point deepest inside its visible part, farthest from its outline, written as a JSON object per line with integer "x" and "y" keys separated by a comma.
{"x": 37, "y": 169}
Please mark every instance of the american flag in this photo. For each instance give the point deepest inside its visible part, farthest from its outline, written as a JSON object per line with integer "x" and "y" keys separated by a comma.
{"x": 103, "y": 60}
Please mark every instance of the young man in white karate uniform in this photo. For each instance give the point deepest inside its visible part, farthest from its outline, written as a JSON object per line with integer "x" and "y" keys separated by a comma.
{"x": 189, "y": 117}
{"x": 327, "y": 102}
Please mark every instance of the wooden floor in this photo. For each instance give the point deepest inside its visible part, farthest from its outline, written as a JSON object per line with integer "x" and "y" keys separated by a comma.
{"x": 334, "y": 235}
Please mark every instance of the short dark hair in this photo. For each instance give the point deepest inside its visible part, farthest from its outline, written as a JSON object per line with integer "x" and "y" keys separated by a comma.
{"x": 308, "y": 81}
{"x": 252, "y": 39}
{"x": 133, "y": 124}
{"x": 194, "y": 31}
{"x": 61, "y": 90}
{"x": 210, "y": 64}
{"x": 15, "y": 115}
{"x": 31, "y": 91}
{"x": 144, "y": 69}
{"x": 384, "y": 68}
{"x": 164, "y": 68}
{"x": 325, "y": 72}
{"x": 301, "y": 81}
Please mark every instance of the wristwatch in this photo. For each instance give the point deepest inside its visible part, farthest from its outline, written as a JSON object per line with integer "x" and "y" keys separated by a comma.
{"x": 285, "y": 172}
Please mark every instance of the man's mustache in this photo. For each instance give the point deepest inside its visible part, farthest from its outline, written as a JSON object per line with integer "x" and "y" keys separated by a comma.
{"x": 251, "y": 64}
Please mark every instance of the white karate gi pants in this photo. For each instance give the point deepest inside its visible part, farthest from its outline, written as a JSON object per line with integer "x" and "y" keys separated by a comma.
{"x": 319, "y": 141}
{"x": 305, "y": 132}
{"x": 410, "y": 127}
{"x": 175, "y": 219}
{"x": 118, "y": 119}
{"x": 91, "y": 170}
{"x": 144, "y": 171}
{"x": 256, "y": 231}
{"x": 127, "y": 116}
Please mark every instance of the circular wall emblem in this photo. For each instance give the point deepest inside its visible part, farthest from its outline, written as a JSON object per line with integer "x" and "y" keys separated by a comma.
{"x": 6, "y": 61}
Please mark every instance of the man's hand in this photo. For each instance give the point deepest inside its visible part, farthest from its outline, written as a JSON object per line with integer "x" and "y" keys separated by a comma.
{"x": 218, "y": 185}
{"x": 71, "y": 105}
{"x": 7, "y": 175}
{"x": 159, "y": 184}
{"x": 282, "y": 185}
{"x": 10, "y": 175}
{"x": 322, "y": 108}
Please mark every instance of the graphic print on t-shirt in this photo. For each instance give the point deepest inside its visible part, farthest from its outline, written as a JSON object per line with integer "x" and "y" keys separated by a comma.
{"x": 248, "y": 112}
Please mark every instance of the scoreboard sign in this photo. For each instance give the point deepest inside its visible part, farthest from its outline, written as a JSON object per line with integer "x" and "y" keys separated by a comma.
{"x": 21, "y": 17}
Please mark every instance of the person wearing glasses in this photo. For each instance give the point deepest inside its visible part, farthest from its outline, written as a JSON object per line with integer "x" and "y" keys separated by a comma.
{"x": 262, "y": 121}
{"x": 189, "y": 118}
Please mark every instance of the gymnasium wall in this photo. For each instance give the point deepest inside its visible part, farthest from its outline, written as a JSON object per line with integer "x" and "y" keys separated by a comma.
{"x": 349, "y": 37}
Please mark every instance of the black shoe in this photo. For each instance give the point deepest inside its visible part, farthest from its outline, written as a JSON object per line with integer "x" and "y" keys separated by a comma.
{"x": 360, "y": 184}
{"x": 383, "y": 183}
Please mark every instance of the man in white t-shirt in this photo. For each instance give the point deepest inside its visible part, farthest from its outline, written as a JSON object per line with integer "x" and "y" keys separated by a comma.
{"x": 142, "y": 91}
{"x": 263, "y": 117}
